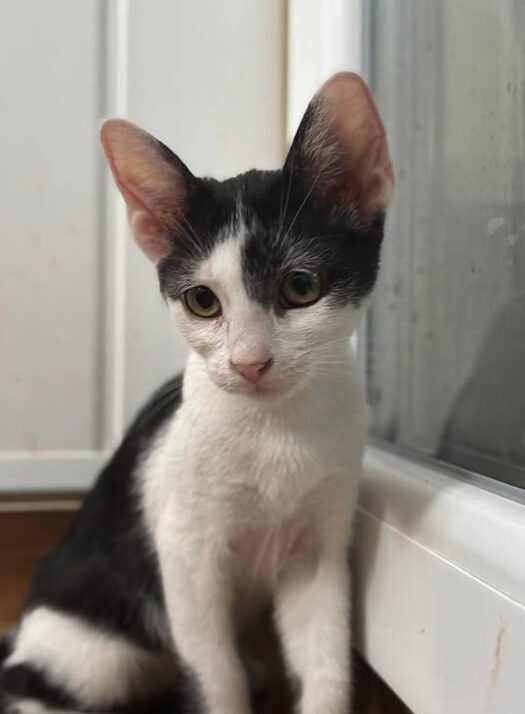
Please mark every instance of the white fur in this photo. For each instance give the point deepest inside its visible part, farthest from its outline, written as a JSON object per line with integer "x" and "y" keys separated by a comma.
{"x": 99, "y": 668}
{"x": 249, "y": 499}
{"x": 300, "y": 342}
{"x": 32, "y": 706}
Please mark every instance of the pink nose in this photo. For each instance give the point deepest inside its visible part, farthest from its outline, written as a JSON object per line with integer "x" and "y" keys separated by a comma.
{"x": 252, "y": 372}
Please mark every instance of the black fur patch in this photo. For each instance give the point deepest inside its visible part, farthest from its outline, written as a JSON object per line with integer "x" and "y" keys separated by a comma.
{"x": 287, "y": 226}
{"x": 306, "y": 235}
{"x": 105, "y": 569}
{"x": 5, "y": 650}
{"x": 24, "y": 682}
{"x": 305, "y": 216}
{"x": 211, "y": 213}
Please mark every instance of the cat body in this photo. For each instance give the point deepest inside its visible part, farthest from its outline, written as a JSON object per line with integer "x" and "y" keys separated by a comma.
{"x": 233, "y": 492}
{"x": 312, "y": 449}
{"x": 253, "y": 513}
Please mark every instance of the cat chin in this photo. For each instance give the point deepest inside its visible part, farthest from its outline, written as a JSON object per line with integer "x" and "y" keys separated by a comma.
{"x": 270, "y": 390}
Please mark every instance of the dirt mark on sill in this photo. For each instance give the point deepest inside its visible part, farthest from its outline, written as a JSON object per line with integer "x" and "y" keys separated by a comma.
{"x": 498, "y": 655}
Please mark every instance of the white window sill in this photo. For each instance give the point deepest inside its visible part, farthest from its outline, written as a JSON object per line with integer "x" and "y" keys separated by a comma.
{"x": 440, "y": 571}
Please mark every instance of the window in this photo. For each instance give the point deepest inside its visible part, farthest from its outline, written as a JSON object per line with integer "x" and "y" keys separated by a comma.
{"x": 439, "y": 565}
{"x": 446, "y": 337}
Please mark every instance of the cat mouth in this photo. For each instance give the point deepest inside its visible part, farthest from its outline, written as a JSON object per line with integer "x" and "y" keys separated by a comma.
{"x": 266, "y": 388}
{"x": 274, "y": 384}
{"x": 263, "y": 388}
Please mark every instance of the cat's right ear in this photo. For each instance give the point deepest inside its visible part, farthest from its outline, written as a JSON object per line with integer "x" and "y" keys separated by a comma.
{"x": 153, "y": 181}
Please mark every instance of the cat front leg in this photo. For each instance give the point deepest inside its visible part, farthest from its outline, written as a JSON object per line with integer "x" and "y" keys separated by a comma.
{"x": 313, "y": 619}
{"x": 198, "y": 595}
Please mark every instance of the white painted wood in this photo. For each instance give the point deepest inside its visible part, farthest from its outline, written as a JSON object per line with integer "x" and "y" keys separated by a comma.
{"x": 50, "y": 471}
{"x": 324, "y": 37}
{"x": 84, "y": 333}
{"x": 441, "y": 589}
{"x": 50, "y": 246}
{"x": 117, "y": 226}
{"x": 480, "y": 531}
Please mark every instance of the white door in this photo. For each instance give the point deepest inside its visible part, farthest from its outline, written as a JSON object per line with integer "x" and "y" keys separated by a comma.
{"x": 84, "y": 335}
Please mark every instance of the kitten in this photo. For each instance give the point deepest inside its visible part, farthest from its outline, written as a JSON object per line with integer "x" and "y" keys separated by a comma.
{"x": 234, "y": 489}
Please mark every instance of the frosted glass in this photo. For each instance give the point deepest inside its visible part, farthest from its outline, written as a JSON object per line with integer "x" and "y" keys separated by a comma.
{"x": 446, "y": 336}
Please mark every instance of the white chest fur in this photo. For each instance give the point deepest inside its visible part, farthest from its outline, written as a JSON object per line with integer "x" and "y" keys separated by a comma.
{"x": 254, "y": 475}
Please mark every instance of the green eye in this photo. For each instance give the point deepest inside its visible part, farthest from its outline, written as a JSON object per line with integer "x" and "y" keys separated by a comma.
{"x": 301, "y": 288}
{"x": 201, "y": 301}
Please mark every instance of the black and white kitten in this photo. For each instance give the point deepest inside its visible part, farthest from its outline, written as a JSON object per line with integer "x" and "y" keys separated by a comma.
{"x": 234, "y": 489}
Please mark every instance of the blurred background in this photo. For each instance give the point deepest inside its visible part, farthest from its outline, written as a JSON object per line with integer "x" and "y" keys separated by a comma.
{"x": 84, "y": 334}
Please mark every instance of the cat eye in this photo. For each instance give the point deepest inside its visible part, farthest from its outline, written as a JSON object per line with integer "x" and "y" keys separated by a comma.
{"x": 201, "y": 301}
{"x": 301, "y": 288}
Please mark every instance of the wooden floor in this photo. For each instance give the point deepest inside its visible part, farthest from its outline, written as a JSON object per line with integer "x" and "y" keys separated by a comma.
{"x": 30, "y": 527}
{"x": 25, "y": 536}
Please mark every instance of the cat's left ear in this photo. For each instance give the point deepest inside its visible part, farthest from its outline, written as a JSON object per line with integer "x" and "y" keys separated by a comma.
{"x": 340, "y": 152}
{"x": 153, "y": 181}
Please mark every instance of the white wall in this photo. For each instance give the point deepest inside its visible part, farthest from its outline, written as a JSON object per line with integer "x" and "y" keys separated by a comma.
{"x": 83, "y": 331}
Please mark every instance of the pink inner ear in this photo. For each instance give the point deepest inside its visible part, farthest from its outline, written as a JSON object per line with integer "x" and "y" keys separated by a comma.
{"x": 148, "y": 233}
{"x": 148, "y": 230}
{"x": 356, "y": 121}
{"x": 377, "y": 178}
{"x": 152, "y": 187}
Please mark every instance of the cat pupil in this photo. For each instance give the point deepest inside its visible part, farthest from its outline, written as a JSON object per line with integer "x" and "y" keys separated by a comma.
{"x": 302, "y": 284}
{"x": 205, "y": 298}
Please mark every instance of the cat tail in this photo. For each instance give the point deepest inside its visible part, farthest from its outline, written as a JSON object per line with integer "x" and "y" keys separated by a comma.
{"x": 23, "y": 690}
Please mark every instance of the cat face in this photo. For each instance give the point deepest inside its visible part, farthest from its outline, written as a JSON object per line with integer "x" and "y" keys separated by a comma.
{"x": 266, "y": 303}
{"x": 266, "y": 274}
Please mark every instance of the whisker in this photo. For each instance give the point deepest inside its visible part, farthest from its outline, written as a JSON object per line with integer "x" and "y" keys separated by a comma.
{"x": 192, "y": 236}
{"x": 331, "y": 372}
{"x": 327, "y": 235}
{"x": 283, "y": 214}
{"x": 340, "y": 363}
{"x": 303, "y": 203}
{"x": 322, "y": 346}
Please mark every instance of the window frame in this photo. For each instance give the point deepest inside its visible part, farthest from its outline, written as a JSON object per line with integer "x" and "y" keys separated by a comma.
{"x": 439, "y": 552}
